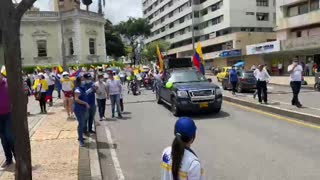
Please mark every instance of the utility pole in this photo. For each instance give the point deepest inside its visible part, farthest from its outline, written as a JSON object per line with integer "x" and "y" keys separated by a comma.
{"x": 63, "y": 46}
{"x": 192, "y": 12}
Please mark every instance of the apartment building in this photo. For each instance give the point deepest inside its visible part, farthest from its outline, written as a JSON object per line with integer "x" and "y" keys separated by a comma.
{"x": 298, "y": 29}
{"x": 224, "y": 27}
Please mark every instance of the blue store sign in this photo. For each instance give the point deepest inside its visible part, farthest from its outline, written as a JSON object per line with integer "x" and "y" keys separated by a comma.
{"x": 231, "y": 53}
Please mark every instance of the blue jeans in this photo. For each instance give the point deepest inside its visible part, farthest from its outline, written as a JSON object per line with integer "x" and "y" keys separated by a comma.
{"x": 90, "y": 118}
{"x": 115, "y": 101}
{"x": 81, "y": 117}
{"x": 6, "y": 136}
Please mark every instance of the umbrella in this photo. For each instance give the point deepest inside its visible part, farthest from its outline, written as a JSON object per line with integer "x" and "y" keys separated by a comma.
{"x": 239, "y": 64}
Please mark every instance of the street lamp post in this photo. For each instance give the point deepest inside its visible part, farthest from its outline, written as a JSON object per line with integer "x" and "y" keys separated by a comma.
{"x": 63, "y": 47}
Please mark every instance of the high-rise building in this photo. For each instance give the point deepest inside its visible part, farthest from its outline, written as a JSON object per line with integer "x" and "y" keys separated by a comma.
{"x": 298, "y": 29}
{"x": 224, "y": 27}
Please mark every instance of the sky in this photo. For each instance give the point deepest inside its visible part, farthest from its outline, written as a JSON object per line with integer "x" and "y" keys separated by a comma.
{"x": 115, "y": 10}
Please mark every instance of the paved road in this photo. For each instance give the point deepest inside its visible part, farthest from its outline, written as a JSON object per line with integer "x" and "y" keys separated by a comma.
{"x": 236, "y": 144}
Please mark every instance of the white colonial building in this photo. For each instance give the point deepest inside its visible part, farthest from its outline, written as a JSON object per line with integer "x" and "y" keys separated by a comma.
{"x": 41, "y": 36}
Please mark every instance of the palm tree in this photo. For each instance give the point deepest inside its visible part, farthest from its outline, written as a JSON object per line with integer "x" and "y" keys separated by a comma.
{"x": 100, "y": 6}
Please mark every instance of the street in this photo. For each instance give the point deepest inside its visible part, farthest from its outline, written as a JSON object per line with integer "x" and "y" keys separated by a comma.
{"x": 238, "y": 143}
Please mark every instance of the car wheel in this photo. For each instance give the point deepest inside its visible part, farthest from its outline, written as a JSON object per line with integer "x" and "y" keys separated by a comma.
{"x": 216, "y": 110}
{"x": 174, "y": 109}
{"x": 239, "y": 89}
{"x": 158, "y": 98}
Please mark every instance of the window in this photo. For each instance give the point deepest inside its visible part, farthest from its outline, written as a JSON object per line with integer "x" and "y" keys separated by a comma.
{"x": 170, "y": 14}
{"x": 262, "y": 2}
{"x": 71, "y": 51}
{"x": 42, "y": 48}
{"x": 249, "y": 13}
{"x": 92, "y": 46}
{"x": 263, "y": 16}
{"x": 162, "y": 19}
{"x": 196, "y": 14}
{"x": 181, "y": 20}
{"x": 171, "y": 35}
{"x": 181, "y": 32}
{"x": 163, "y": 29}
{"x": 171, "y": 25}
{"x": 217, "y": 20}
{"x": 299, "y": 34}
{"x": 302, "y": 8}
{"x": 204, "y": 12}
{"x": 216, "y": 6}
{"x": 314, "y": 5}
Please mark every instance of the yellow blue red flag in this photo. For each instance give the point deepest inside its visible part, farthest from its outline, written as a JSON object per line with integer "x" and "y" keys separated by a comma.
{"x": 198, "y": 59}
{"x": 160, "y": 59}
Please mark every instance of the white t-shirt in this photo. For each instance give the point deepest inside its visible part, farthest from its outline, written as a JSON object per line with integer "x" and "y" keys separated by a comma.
{"x": 296, "y": 74}
{"x": 114, "y": 87}
{"x": 101, "y": 91}
{"x": 49, "y": 79}
{"x": 261, "y": 75}
{"x": 190, "y": 166}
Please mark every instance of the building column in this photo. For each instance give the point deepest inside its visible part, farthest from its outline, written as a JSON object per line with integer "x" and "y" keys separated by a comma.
{"x": 77, "y": 42}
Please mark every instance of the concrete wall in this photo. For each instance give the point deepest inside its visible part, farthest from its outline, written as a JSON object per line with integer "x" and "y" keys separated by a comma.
{"x": 33, "y": 31}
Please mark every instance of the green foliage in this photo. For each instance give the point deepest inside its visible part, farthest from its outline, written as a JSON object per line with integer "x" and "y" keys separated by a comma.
{"x": 150, "y": 51}
{"x": 134, "y": 28}
{"x": 114, "y": 44}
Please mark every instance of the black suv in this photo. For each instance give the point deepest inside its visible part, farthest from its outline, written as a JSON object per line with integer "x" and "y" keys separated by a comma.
{"x": 188, "y": 90}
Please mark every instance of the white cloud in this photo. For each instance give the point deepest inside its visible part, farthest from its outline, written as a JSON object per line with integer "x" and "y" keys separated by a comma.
{"x": 115, "y": 10}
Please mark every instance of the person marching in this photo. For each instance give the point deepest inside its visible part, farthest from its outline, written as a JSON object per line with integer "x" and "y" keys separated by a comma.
{"x": 101, "y": 95}
{"x": 179, "y": 162}
{"x": 296, "y": 72}
{"x": 50, "y": 81}
{"x": 262, "y": 77}
{"x": 80, "y": 107}
{"x": 233, "y": 78}
{"x": 67, "y": 89}
{"x": 41, "y": 88}
{"x": 90, "y": 91}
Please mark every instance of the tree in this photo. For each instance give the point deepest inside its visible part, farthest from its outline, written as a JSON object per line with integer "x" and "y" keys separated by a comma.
{"x": 133, "y": 30}
{"x": 100, "y": 5}
{"x": 114, "y": 44}
{"x": 10, "y": 19}
{"x": 149, "y": 53}
{"x": 87, "y": 3}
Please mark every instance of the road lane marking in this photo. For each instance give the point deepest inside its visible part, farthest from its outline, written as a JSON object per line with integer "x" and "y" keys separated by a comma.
{"x": 276, "y": 116}
{"x": 114, "y": 156}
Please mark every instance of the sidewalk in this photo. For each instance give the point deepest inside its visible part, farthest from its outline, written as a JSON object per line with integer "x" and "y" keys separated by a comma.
{"x": 54, "y": 145}
{"x": 279, "y": 98}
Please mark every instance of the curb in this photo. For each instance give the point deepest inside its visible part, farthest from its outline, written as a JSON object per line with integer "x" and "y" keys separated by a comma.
{"x": 283, "y": 112}
{"x": 302, "y": 87}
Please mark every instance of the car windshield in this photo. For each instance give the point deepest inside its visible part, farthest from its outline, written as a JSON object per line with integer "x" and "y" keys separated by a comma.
{"x": 186, "y": 76}
{"x": 248, "y": 74}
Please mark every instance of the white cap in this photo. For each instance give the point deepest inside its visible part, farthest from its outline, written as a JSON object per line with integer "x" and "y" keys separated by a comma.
{"x": 40, "y": 74}
{"x": 65, "y": 73}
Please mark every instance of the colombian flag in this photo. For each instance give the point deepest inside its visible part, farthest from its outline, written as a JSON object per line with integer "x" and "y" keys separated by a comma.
{"x": 198, "y": 59}
{"x": 160, "y": 59}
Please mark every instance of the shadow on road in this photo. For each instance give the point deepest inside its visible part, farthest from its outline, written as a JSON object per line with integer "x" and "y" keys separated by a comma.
{"x": 206, "y": 116}
{"x": 104, "y": 145}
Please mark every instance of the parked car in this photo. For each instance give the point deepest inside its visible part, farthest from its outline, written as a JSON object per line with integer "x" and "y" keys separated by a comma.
{"x": 224, "y": 73}
{"x": 246, "y": 82}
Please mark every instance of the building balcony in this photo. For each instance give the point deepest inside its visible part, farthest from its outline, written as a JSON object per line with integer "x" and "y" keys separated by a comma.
{"x": 307, "y": 19}
{"x": 303, "y": 43}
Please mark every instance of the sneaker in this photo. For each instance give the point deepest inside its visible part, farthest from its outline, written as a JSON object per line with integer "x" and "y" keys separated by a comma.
{"x": 81, "y": 143}
{"x": 92, "y": 132}
{"x": 6, "y": 164}
{"x": 299, "y": 105}
{"x": 113, "y": 116}
{"x": 120, "y": 116}
{"x": 254, "y": 96}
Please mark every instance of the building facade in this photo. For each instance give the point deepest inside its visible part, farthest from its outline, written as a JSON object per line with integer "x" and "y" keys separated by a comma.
{"x": 220, "y": 25}
{"x": 41, "y": 36}
{"x": 298, "y": 29}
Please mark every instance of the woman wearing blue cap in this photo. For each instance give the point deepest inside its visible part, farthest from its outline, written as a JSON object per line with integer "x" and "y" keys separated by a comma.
{"x": 179, "y": 162}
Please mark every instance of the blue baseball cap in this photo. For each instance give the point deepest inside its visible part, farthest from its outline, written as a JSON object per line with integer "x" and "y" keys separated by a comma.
{"x": 186, "y": 127}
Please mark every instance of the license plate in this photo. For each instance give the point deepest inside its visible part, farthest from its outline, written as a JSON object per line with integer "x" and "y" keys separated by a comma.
{"x": 204, "y": 105}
